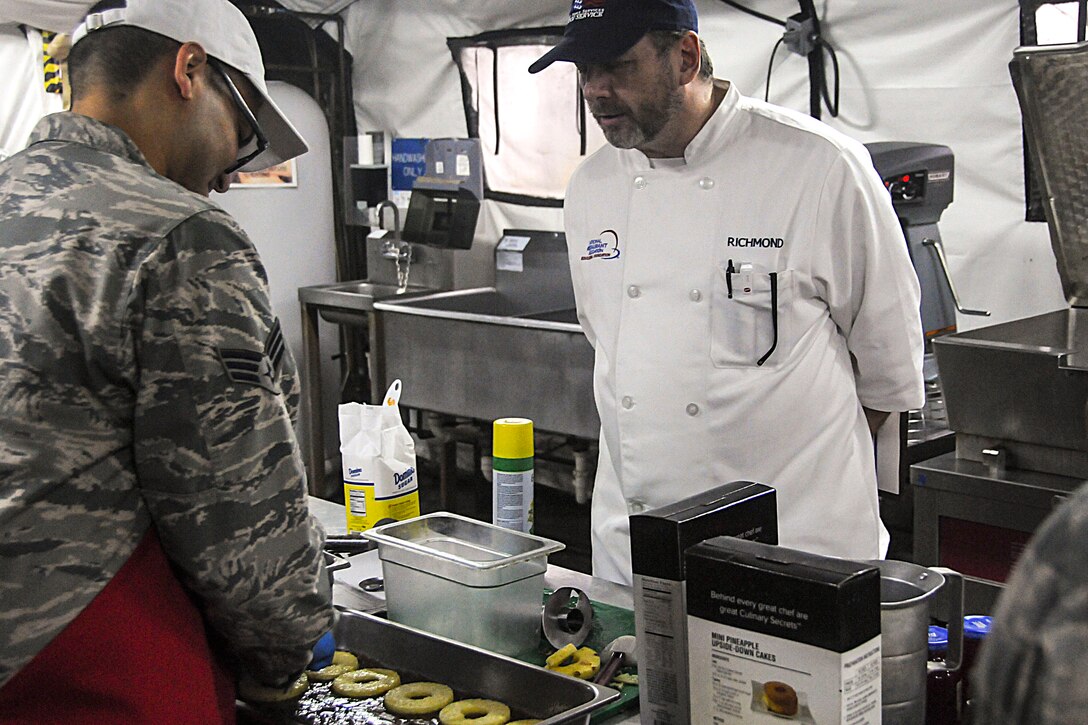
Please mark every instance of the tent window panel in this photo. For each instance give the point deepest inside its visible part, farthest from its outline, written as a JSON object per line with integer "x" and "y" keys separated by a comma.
{"x": 1059, "y": 23}
{"x": 535, "y": 140}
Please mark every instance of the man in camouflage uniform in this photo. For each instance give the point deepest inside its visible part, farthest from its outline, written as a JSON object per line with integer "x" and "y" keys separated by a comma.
{"x": 147, "y": 399}
{"x": 1033, "y": 667}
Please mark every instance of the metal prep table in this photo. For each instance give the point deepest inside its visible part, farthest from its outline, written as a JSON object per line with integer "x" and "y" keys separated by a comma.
{"x": 347, "y": 593}
{"x": 343, "y": 303}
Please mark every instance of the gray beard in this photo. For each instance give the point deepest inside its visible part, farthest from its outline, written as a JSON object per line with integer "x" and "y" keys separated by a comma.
{"x": 646, "y": 122}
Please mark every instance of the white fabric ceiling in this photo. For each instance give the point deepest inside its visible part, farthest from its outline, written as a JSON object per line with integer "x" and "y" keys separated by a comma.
{"x": 63, "y": 15}
{"x": 328, "y": 7}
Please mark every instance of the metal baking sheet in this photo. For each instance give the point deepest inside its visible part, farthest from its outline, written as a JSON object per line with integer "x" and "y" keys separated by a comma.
{"x": 529, "y": 691}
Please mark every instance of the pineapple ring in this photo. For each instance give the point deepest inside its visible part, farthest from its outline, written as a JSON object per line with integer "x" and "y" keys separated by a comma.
{"x": 418, "y": 698}
{"x": 474, "y": 712}
{"x": 342, "y": 657}
{"x": 342, "y": 662}
{"x": 325, "y": 674}
{"x": 369, "y": 682}
{"x": 582, "y": 663}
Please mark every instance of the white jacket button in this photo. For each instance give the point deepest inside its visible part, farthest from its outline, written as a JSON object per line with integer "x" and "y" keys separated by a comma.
{"x": 633, "y": 291}
{"x": 695, "y": 295}
{"x": 640, "y": 182}
{"x": 693, "y": 409}
{"x": 635, "y": 506}
{"x": 706, "y": 183}
{"x": 628, "y": 402}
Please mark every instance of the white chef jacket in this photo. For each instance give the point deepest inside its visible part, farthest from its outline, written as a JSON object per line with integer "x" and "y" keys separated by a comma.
{"x": 673, "y": 269}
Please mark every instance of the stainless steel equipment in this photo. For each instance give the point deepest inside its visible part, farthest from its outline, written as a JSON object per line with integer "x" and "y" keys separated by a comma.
{"x": 528, "y": 690}
{"x": 489, "y": 352}
{"x": 567, "y": 618}
{"x": 1016, "y": 392}
{"x": 920, "y": 178}
{"x": 440, "y": 222}
{"x": 465, "y": 579}
{"x": 445, "y": 202}
{"x": 907, "y": 595}
{"x": 395, "y": 267}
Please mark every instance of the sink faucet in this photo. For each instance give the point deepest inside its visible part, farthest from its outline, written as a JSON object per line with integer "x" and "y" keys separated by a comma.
{"x": 390, "y": 247}
{"x": 396, "y": 249}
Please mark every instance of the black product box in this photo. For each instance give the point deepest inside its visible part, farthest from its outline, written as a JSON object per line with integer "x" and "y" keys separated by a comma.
{"x": 775, "y": 632}
{"x": 658, "y": 540}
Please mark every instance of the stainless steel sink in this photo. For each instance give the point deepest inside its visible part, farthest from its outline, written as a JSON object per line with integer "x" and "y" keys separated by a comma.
{"x": 568, "y": 316}
{"x": 491, "y": 306}
{"x": 340, "y": 298}
{"x": 488, "y": 353}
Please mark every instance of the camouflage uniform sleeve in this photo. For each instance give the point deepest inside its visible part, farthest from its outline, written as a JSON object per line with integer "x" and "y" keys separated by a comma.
{"x": 217, "y": 459}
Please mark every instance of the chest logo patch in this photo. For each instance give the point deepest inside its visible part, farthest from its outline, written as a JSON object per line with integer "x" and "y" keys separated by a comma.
{"x": 606, "y": 246}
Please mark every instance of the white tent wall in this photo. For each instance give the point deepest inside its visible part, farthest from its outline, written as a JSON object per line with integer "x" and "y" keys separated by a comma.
{"x": 60, "y": 16}
{"x": 915, "y": 70}
{"x": 23, "y": 99}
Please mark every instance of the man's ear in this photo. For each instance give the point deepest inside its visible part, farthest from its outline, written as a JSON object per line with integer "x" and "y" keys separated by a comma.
{"x": 690, "y": 55}
{"x": 189, "y": 61}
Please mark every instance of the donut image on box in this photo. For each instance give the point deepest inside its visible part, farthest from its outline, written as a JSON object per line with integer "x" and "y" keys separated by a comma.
{"x": 781, "y": 700}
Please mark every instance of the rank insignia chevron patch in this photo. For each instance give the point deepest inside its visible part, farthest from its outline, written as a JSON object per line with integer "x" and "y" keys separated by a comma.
{"x": 250, "y": 367}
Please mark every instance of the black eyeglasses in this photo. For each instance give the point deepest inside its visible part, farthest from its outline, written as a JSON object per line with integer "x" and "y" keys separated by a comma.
{"x": 257, "y": 143}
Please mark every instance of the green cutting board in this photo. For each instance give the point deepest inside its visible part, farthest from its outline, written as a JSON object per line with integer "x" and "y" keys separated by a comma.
{"x": 609, "y": 622}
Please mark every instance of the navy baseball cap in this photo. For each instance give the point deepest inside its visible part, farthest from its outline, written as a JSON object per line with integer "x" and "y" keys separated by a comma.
{"x": 601, "y": 30}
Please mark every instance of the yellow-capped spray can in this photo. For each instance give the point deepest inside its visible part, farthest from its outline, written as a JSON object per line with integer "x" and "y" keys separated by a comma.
{"x": 512, "y": 471}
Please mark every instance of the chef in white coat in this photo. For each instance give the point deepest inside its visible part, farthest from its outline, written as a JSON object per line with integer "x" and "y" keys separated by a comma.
{"x": 745, "y": 284}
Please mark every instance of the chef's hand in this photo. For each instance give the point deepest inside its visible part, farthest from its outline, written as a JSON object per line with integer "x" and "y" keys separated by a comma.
{"x": 323, "y": 652}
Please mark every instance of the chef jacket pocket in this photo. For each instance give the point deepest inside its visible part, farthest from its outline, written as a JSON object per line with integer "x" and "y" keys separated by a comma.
{"x": 750, "y": 322}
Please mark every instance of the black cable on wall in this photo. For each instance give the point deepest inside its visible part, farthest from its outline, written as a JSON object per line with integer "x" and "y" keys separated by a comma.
{"x": 803, "y": 36}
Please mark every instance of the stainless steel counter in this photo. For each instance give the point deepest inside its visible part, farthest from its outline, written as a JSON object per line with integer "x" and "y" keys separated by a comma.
{"x": 481, "y": 353}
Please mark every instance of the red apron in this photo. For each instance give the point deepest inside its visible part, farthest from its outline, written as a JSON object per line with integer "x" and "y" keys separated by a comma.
{"x": 137, "y": 654}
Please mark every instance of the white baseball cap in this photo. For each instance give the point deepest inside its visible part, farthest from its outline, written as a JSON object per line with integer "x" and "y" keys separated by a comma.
{"x": 223, "y": 31}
